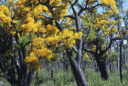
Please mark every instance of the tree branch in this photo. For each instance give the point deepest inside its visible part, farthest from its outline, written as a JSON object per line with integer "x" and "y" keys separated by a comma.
{"x": 75, "y": 49}
{"x": 69, "y": 16}
{"x": 89, "y": 51}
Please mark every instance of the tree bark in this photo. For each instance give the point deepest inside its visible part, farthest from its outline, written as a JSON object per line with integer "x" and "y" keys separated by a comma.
{"x": 80, "y": 79}
{"x": 102, "y": 67}
{"x": 110, "y": 67}
{"x": 121, "y": 42}
{"x": 65, "y": 63}
{"x": 29, "y": 78}
{"x": 24, "y": 76}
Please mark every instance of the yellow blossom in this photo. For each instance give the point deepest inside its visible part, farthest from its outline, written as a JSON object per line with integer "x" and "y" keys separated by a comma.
{"x": 86, "y": 55}
{"x": 94, "y": 48}
{"x": 31, "y": 59}
{"x": 110, "y": 2}
{"x": 51, "y": 29}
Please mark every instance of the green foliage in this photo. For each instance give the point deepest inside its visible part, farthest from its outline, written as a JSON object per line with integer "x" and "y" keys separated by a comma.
{"x": 114, "y": 55}
{"x": 106, "y": 55}
{"x": 89, "y": 27}
{"x": 126, "y": 73}
{"x": 60, "y": 78}
{"x": 102, "y": 40}
{"x": 41, "y": 77}
{"x": 95, "y": 80}
{"x": 24, "y": 40}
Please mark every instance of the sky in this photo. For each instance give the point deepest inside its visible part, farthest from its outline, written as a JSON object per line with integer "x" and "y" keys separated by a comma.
{"x": 125, "y": 4}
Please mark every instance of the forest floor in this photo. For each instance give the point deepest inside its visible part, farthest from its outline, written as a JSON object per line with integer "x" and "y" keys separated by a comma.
{"x": 65, "y": 78}
{"x": 62, "y": 78}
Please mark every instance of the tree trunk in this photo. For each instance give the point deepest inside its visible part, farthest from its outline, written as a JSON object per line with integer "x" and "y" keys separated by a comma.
{"x": 52, "y": 70}
{"x": 110, "y": 67}
{"x": 25, "y": 81}
{"x": 80, "y": 79}
{"x": 124, "y": 56}
{"x": 118, "y": 63}
{"x": 121, "y": 42}
{"x": 24, "y": 76}
{"x": 96, "y": 67}
{"x": 65, "y": 63}
{"x": 29, "y": 78}
{"x": 102, "y": 67}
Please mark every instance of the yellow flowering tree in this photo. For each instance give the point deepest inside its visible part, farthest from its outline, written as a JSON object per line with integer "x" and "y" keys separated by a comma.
{"x": 101, "y": 30}
{"x": 36, "y": 33}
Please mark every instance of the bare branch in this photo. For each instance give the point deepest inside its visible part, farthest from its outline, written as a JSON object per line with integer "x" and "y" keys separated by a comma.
{"x": 75, "y": 2}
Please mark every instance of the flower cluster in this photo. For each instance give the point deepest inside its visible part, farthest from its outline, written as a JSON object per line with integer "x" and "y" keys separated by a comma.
{"x": 112, "y": 3}
{"x": 32, "y": 62}
{"x": 5, "y": 15}
{"x": 68, "y": 37}
{"x": 86, "y": 55}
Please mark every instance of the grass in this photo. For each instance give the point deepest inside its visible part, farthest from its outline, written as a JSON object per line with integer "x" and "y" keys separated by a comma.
{"x": 61, "y": 78}
{"x": 93, "y": 78}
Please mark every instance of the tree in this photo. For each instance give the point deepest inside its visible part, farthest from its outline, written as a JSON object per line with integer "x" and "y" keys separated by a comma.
{"x": 35, "y": 35}
{"x": 100, "y": 27}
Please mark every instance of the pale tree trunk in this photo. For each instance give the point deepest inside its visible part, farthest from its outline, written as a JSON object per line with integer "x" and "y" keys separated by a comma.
{"x": 118, "y": 63}
{"x": 110, "y": 67}
{"x": 75, "y": 62}
{"x": 76, "y": 69}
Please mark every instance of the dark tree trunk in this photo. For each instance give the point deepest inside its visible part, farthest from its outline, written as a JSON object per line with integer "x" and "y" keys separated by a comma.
{"x": 24, "y": 76}
{"x": 52, "y": 70}
{"x": 102, "y": 67}
{"x": 125, "y": 57}
{"x": 29, "y": 78}
{"x": 110, "y": 67}
{"x": 23, "y": 71}
{"x": 25, "y": 80}
{"x": 118, "y": 63}
{"x": 75, "y": 66}
{"x": 110, "y": 61}
{"x": 121, "y": 42}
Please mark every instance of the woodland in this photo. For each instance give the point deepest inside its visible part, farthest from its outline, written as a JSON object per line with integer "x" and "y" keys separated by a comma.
{"x": 63, "y": 43}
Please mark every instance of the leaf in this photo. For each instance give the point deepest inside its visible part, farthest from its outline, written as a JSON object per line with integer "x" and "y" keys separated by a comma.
{"x": 24, "y": 40}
